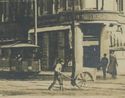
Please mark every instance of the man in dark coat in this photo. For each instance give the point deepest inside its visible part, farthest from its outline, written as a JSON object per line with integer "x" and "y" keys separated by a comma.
{"x": 104, "y": 62}
{"x": 112, "y": 68}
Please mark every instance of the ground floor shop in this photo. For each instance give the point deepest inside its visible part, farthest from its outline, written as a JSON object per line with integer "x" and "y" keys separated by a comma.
{"x": 92, "y": 40}
{"x": 54, "y": 43}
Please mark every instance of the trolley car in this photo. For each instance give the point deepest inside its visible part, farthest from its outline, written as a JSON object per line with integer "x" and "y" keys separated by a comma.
{"x": 21, "y": 57}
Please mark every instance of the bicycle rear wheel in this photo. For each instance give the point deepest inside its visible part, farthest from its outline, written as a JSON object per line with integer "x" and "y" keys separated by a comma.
{"x": 83, "y": 79}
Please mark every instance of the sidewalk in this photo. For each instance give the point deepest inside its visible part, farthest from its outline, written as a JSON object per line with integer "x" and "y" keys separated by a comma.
{"x": 97, "y": 75}
{"x": 38, "y": 88}
{"x": 61, "y": 97}
{"x": 45, "y": 75}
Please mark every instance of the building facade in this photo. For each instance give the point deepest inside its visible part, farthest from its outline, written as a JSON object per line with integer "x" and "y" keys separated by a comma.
{"x": 99, "y": 27}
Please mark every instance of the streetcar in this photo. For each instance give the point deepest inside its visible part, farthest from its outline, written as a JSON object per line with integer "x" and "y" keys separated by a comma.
{"x": 20, "y": 57}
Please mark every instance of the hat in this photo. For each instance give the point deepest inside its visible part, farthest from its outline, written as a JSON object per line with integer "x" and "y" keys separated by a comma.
{"x": 60, "y": 60}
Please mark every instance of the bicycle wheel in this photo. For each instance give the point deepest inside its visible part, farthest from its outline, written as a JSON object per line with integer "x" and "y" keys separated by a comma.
{"x": 83, "y": 79}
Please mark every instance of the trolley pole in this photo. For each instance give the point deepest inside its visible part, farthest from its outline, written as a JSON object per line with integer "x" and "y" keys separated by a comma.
{"x": 35, "y": 22}
{"x": 73, "y": 43}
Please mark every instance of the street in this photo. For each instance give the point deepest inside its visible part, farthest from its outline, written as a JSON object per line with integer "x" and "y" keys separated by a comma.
{"x": 36, "y": 87}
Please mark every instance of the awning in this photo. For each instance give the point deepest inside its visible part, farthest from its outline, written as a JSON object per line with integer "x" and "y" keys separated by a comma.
{"x": 54, "y": 28}
{"x": 19, "y": 45}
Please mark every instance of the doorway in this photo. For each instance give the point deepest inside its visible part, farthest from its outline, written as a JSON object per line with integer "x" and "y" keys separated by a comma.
{"x": 53, "y": 45}
{"x": 91, "y": 56}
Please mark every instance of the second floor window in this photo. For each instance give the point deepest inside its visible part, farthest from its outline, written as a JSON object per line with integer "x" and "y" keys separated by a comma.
{"x": 120, "y": 5}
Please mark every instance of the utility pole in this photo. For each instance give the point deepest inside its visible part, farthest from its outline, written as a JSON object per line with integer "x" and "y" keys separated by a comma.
{"x": 35, "y": 22}
{"x": 73, "y": 42}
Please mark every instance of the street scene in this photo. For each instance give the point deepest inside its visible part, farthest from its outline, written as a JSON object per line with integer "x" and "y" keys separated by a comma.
{"x": 62, "y": 48}
{"x": 109, "y": 88}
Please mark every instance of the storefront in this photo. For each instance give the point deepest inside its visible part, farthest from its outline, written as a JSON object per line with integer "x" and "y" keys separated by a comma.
{"x": 91, "y": 43}
{"x": 54, "y": 43}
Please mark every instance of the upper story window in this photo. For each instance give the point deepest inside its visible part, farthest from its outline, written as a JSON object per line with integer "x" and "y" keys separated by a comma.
{"x": 4, "y": 11}
{"x": 119, "y": 5}
{"x": 12, "y": 10}
{"x": 60, "y": 5}
{"x": 109, "y": 5}
{"x": 89, "y": 4}
{"x": 44, "y": 7}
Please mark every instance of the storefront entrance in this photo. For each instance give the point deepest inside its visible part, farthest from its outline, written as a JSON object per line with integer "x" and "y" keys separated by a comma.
{"x": 53, "y": 45}
{"x": 91, "y": 56}
{"x": 91, "y": 44}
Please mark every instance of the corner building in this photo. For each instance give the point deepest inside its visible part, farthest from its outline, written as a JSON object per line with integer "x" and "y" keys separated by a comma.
{"x": 99, "y": 28}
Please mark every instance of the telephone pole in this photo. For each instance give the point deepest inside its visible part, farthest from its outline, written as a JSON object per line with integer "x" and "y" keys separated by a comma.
{"x": 73, "y": 42}
{"x": 35, "y": 22}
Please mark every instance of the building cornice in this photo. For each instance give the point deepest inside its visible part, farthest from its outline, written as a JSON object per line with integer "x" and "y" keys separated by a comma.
{"x": 83, "y": 15}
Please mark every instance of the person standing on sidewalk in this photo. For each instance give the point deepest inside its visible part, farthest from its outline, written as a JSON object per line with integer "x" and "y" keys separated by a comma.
{"x": 112, "y": 68}
{"x": 57, "y": 74}
{"x": 104, "y": 62}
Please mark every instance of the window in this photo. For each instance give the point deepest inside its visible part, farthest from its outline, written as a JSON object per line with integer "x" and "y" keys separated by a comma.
{"x": 45, "y": 7}
{"x": 120, "y": 5}
{"x": 4, "y": 11}
{"x": 62, "y": 5}
{"x": 90, "y": 4}
{"x": 109, "y": 5}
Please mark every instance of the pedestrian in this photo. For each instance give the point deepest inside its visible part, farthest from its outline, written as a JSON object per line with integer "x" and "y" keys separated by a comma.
{"x": 57, "y": 74}
{"x": 19, "y": 62}
{"x": 103, "y": 64}
{"x": 112, "y": 68}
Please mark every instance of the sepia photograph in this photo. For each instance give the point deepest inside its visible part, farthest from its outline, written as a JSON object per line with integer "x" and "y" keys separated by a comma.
{"x": 62, "y": 48}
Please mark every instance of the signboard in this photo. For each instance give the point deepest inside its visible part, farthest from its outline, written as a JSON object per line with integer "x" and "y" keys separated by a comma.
{"x": 90, "y": 43}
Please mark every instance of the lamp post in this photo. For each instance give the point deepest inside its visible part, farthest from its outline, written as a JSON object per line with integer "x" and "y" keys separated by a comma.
{"x": 35, "y": 22}
{"x": 73, "y": 43}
